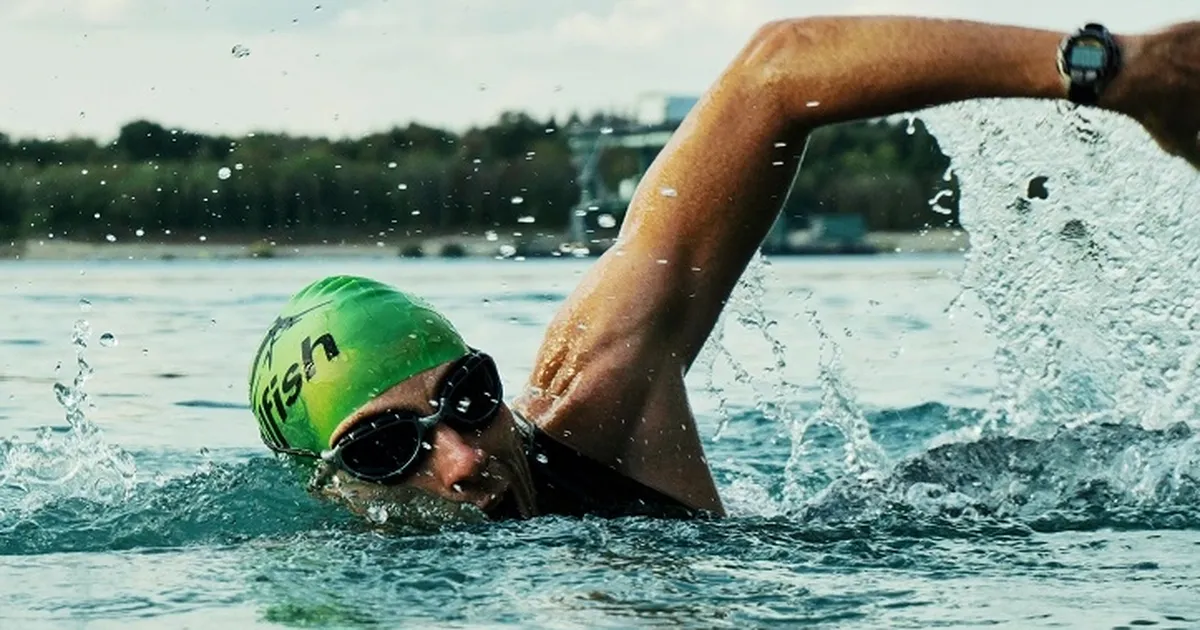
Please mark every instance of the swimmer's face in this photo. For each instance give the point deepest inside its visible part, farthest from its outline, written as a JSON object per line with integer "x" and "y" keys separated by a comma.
{"x": 483, "y": 467}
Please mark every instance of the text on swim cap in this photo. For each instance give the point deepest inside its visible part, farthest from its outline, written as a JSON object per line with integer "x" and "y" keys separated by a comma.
{"x": 279, "y": 395}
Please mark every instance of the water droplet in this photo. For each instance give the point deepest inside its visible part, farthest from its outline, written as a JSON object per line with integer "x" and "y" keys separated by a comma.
{"x": 402, "y": 187}
{"x": 239, "y": 51}
{"x": 239, "y": 166}
{"x": 490, "y": 235}
{"x": 936, "y": 202}
{"x": 526, "y": 219}
{"x": 542, "y": 459}
{"x": 606, "y": 221}
{"x": 96, "y": 216}
{"x": 813, "y": 103}
{"x": 224, "y": 173}
{"x": 508, "y": 251}
{"x": 667, "y": 191}
{"x": 518, "y": 200}
{"x": 606, "y": 130}
{"x": 377, "y": 514}
{"x": 140, "y": 232}
{"x": 110, "y": 238}
{"x": 203, "y": 238}
{"x": 83, "y": 172}
{"x": 108, "y": 340}
{"x": 392, "y": 165}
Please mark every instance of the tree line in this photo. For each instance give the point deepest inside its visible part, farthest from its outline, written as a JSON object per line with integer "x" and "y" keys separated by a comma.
{"x": 164, "y": 183}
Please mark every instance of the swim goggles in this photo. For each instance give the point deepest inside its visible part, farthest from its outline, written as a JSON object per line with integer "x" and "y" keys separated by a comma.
{"x": 388, "y": 446}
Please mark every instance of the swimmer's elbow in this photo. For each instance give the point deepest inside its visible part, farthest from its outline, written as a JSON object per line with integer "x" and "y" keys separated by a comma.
{"x": 776, "y": 46}
{"x": 784, "y": 55}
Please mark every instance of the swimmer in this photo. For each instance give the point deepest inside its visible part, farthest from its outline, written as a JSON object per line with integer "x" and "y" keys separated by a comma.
{"x": 379, "y": 389}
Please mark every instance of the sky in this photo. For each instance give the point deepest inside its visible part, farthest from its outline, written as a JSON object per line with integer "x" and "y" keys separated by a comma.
{"x": 340, "y": 68}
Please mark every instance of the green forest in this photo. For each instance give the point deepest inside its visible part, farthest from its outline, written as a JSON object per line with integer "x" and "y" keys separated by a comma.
{"x": 170, "y": 184}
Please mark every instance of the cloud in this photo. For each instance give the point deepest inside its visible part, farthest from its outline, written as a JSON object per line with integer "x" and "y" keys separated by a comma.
{"x": 34, "y": 13}
{"x": 360, "y": 65}
{"x": 649, "y": 24}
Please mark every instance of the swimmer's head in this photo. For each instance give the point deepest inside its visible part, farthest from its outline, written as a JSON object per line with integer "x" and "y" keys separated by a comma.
{"x": 344, "y": 353}
{"x": 337, "y": 344}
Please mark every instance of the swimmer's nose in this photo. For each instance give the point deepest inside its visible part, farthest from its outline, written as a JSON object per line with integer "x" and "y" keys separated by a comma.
{"x": 455, "y": 462}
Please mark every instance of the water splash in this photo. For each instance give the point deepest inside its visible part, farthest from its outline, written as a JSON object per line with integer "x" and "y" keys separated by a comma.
{"x": 839, "y": 408}
{"x": 65, "y": 462}
{"x": 227, "y": 503}
{"x": 1085, "y": 243}
{"x": 774, "y": 394}
{"x": 1084, "y": 478}
{"x": 1085, "y": 240}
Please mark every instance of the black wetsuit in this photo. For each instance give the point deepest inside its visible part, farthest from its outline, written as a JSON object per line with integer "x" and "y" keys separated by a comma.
{"x": 569, "y": 483}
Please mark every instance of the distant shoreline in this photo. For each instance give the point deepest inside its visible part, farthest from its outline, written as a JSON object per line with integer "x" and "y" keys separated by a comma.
{"x": 476, "y": 247}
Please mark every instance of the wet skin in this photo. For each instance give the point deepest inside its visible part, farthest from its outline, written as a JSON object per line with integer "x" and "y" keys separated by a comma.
{"x": 485, "y": 468}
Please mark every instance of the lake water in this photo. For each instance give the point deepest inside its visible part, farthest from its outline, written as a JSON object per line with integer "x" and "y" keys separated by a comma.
{"x": 1005, "y": 439}
{"x": 862, "y": 427}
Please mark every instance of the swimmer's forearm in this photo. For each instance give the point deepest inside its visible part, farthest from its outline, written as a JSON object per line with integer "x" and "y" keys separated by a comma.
{"x": 828, "y": 70}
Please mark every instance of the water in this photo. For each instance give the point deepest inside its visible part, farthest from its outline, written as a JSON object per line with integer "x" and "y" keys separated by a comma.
{"x": 1006, "y": 439}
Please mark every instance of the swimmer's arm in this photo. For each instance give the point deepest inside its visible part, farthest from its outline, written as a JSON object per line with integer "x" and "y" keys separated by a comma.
{"x": 707, "y": 202}
{"x": 609, "y": 377}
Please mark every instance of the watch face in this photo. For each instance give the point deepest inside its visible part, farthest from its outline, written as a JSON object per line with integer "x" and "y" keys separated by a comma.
{"x": 1087, "y": 56}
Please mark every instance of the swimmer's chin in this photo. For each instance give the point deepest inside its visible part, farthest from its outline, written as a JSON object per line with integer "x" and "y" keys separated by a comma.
{"x": 402, "y": 506}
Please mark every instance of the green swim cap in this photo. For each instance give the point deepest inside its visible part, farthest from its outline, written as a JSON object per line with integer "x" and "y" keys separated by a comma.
{"x": 337, "y": 344}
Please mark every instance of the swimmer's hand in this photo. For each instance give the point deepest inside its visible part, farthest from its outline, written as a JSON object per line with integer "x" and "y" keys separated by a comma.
{"x": 1160, "y": 88}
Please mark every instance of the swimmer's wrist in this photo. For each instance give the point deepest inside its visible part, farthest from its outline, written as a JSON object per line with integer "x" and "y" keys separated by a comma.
{"x": 1124, "y": 94}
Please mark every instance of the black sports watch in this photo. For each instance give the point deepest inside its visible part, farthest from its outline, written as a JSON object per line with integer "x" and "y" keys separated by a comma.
{"x": 1088, "y": 60}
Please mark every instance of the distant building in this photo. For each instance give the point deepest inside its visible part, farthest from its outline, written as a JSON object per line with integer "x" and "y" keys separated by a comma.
{"x": 655, "y": 110}
{"x": 596, "y": 220}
